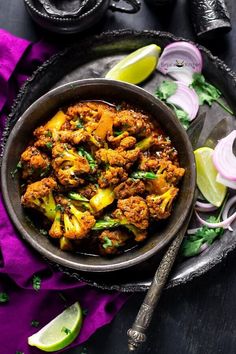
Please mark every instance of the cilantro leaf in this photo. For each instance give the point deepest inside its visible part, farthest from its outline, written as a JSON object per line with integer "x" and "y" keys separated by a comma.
{"x": 182, "y": 116}
{"x": 192, "y": 244}
{"x": 166, "y": 89}
{"x": 4, "y": 298}
{"x": 206, "y": 92}
{"x": 107, "y": 242}
{"x": 36, "y": 282}
{"x": 35, "y": 323}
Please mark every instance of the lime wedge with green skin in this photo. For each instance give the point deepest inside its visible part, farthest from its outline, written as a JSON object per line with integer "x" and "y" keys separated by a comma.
{"x": 60, "y": 332}
{"x": 213, "y": 191}
{"x": 137, "y": 66}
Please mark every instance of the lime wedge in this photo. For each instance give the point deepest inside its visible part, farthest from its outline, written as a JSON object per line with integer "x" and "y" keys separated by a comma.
{"x": 137, "y": 66}
{"x": 60, "y": 332}
{"x": 213, "y": 191}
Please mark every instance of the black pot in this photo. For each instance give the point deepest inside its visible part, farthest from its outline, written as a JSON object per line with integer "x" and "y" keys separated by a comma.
{"x": 107, "y": 90}
{"x": 92, "y": 13}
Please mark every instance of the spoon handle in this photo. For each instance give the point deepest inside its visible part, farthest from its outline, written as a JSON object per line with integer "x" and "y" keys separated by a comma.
{"x": 137, "y": 334}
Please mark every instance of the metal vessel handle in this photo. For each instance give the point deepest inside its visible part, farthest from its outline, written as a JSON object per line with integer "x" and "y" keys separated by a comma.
{"x": 135, "y": 6}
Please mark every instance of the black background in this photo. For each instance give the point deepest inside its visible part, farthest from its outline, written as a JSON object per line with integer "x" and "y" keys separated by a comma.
{"x": 196, "y": 318}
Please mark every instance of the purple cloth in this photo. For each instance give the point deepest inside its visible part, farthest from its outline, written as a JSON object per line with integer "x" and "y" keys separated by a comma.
{"x": 18, "y": 262}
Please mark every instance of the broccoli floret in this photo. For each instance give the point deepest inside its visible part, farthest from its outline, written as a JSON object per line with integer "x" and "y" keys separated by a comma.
{"x": 68, "y": 165}
{"x": 160, "y": 205}
{"x": 39, "y": 196}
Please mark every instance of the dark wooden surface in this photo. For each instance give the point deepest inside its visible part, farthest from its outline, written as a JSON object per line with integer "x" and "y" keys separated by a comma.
{"x": 196, "y": 318}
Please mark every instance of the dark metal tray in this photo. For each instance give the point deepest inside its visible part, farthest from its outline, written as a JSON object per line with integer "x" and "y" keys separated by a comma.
{"x": 92, "y": 57}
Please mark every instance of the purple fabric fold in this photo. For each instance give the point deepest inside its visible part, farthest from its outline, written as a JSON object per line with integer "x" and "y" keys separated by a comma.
{"x": 18, "y": 262}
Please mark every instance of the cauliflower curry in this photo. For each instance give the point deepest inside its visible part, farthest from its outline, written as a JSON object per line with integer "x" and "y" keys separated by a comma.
{"x": 100, "y": 175}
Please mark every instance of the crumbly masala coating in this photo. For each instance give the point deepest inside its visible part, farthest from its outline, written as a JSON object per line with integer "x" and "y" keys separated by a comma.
{"x": 100, "y": 174}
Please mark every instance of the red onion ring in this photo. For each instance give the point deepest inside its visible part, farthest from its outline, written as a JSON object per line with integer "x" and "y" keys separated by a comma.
{"x": 224, "y": 158}
{"x": 226, "y": 182}
{"x": 227, "y": 208}
{"x": 225, "y": 223}
{"x": 205, "y": 207}
{"x": 180, "y": 60}
{"x": 186, "y": 99}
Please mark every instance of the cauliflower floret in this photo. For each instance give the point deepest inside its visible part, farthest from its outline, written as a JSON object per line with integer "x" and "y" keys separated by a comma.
{"x": 111, "y": 241}
{"x": 112, "y": 176}
{"x": 39, "y": 196}
{"x": 127, "y": 143}
{"x": 117, "y": 157}
{"x": 34, "y": 163}
{"x": 134, "y": 209}
{"x": 129, "y": 188}
{"x": 73, "y": 137}
{"x": 160, "y": 206}
{"x": 115, "y": 140}
{"x": 148, "y": 163}
{"x": 68, "y": 165}
{"x": 133, "y": 122}
{"x": 70, "y": 222}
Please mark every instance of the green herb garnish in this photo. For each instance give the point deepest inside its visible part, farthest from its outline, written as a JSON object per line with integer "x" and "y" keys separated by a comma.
{"x": 77, "y": 196}
{"x": 36, "y": 282}
{"x": 204, "y": 235}
{"x": 48, "y": 134}
{"x": 4, "y": 298}
{"x": 117, "y": 132}
{"x": 59, "y": 207}
{"x": 92, "y": 163}
{"x": 18, "y": 167}
{"x": 35, "y": 323}
{"x": 143, "y": 175}
{"x": 166, "y": 89}
{"x": 49, "y": 145}
{"x": 192, "y": 244}
{"x": 181, "y": 115}
{"x": 207, "y": 93}
{"x": 107, "y": 243}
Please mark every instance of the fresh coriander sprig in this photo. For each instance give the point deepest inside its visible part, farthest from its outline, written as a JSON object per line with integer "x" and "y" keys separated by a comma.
{"x": 207, "y": 93}
{"x": 4, "y": 298}
{"x": 36, "y": 282}
{"x": 166, "y": 89}
{"x": 35, "y": 323}
{"x": 143, "y": 175}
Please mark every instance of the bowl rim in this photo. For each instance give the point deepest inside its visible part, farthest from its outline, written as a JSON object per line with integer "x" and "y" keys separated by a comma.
{"x": 78, "y": 265}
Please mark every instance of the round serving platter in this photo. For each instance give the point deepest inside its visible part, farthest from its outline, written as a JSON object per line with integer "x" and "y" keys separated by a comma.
{"x": 93, "y": 57}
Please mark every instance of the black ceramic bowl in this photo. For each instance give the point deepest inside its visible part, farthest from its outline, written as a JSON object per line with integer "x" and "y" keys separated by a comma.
{"x": 107, "y": 90}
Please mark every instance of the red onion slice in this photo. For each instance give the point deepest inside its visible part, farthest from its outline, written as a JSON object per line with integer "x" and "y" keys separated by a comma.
{"x": 225, "y": 223}
{"x": 186, "y": 99}
{"x": 193, "y": 231}
{"x": 205, "y": 207}
{"x": 225, "y": 181}
{"x": 224, "y": 158}
{"x": 227, "y": 208}
{"x": 180, "y": 57}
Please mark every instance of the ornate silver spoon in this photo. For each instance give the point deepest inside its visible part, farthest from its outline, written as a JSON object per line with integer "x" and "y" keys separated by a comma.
{"x": 137, "y": 334}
